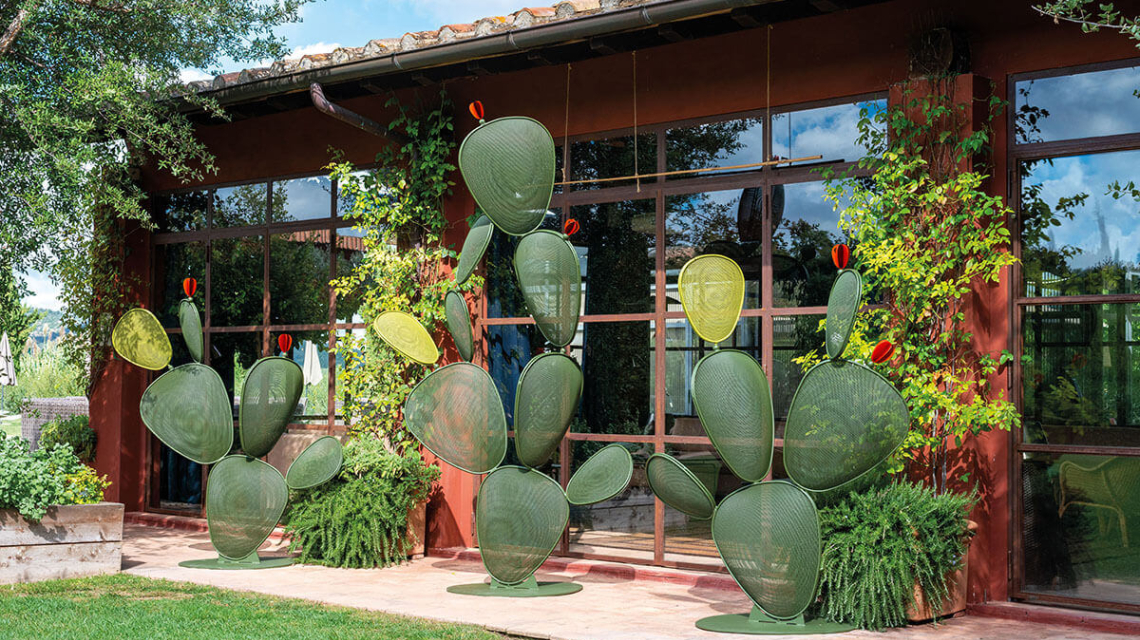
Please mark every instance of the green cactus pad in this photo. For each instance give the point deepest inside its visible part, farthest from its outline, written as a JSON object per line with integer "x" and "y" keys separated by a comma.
{"x": 459, "y": 324}
{"x": 268, "y": 400}
{"x": 678, "y": 487}
{"x": 549, "y": 389}
{"x": 245, "y": 498}
{"x": 317, "y": 464}
{"x": 139, "y": 338}
{"x": 188, "y": 409}
{"x": 844, "y": 420}
{"x": 730, "y": 392}
{"x": 478, "y": 238}
{"x": 768, "y": 536}
{"x": 191, "y": 324}
{"x": 519, "y": 517}
{"x": 603, "y": 476}
{"x": 456, "y": 412}
{"x": 551, "y": 281}
{"x": 508, "y": 165}
{"x": 842, "y": 305}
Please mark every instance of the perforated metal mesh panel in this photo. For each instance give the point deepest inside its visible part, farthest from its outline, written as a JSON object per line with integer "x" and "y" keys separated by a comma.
{"x": 508, "y": 165}
{"x": 191, "y": 324}
{"x": 188, "y": 409}
{"x": 317, "y": 464}
{"x": 139, "y": 338}
{"x": 520, "y": 517}
{"x": 730, "y": 392}
{"x": 459, "y": 324}
{"x": 844, "y": 420}
{"x": 269, "y": 397}
{"x": 404, "y": 333}
{"x": 678, "y": 487}
{"x": 768, "y": 537}
{"x": 549, "y": 389}
{"x": 457, "y": 414}
{"x": 551, "y": 281}
{"x": 603, "y": 476}
{"x": 842, "y": 304}
{"x": 712, "y": 293}
{"x": 473, "y": 248}
{"x": 245, "y": 498}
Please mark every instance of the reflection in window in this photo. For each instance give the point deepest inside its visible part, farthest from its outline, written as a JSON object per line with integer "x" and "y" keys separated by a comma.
{"x": 612, "y": 158}
{"x": 239, "y": 206}
{"x": 717, "y": 144}
{"x": 181, "y": 211}
{"x": 173, "y": 264}
{"x": 310, "y": 352}
{"x": 299, "y": 277}
{"x": 617, "y": 248}
{"x": 683, "y": 350}
{"x": 1077, "y": 237}
{"x": 832, "y": 132}
{"x": 792, "y": 337}
{"x": 509, "y": 349}
{"x": 728, "y": 223}
{"x": 1081, "y": 374}
{"x": 623, "y": 525}
{"x": 232, "y": 355}
{"x": 804, "y": 228}
{"x": 685, "y": 535}
{"x": 1080, "y": 105}
{"x": 236, "y": 284}
{"x": 302, "y": 199}
{"x": 504, "y": 298}
{"x": 1081, "y": 526}
{"x": 617, "y": 364}
{"x": 349, "y": 254}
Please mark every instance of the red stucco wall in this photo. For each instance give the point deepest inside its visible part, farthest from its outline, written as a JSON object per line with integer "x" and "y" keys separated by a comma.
{"x": 845, "y": 53}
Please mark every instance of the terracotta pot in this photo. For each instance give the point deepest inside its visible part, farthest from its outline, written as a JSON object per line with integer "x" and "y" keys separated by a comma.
{"x": 417, "y": 530}
{"x": 955, "y": 602}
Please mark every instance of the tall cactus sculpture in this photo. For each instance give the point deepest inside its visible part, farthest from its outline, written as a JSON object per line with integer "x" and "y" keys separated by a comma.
{"x": 456, "y": 411}
{"x": 845, "y": 420}
{"x": 188, "y": 409}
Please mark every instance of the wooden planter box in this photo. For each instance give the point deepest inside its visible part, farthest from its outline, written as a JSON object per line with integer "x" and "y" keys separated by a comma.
{"x": 70, "y": 542}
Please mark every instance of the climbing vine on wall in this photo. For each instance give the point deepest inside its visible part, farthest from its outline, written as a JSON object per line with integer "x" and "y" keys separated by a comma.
{"x": 398, "y": 207}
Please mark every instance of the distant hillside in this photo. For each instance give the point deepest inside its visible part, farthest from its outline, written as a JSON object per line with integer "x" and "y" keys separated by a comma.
{"x": 49, "y": 328}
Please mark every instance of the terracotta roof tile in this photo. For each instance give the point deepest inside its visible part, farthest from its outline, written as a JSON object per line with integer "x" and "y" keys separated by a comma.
{"x": 524, "y": 18}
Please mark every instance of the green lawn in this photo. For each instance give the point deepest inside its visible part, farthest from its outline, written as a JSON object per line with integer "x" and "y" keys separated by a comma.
{"x": 129, "y": 607}
{"x": 10, "y": 425}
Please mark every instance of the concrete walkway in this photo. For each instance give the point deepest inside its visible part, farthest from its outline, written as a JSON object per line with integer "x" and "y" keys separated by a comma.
{"x": 607, "y": 608}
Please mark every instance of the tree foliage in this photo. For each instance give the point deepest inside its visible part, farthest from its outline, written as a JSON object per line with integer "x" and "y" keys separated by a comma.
{"x": 16, "y": 319}
{"x": 86, "y": 98}
{"x": 927, "y": 235}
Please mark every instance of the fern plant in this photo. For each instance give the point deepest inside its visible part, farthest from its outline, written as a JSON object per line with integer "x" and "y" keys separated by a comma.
{"x": 360, "y": 519}
{"x": 879, "y": 543}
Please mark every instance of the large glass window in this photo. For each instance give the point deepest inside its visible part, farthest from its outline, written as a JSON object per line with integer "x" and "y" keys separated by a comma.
{"x": 1078, "y": 313}
{"x": 635, "y": 346}
{"x": 263, "y": 261}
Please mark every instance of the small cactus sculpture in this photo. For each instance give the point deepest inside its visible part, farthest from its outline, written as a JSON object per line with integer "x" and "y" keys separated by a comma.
{"x": 188, "y": 409}
{"x": 845, "y": 420}
{"x": 456, "y": 411}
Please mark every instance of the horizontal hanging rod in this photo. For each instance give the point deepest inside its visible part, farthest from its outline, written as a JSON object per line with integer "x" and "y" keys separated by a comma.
{"x": 766, "y": 163}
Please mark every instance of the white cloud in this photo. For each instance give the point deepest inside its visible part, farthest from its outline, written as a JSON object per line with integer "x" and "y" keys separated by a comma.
{"x": 453, "y": 11}
{"x": 193, "y": 75}
{"x": 310, "y": 49}
{"x": 43, "y": 293}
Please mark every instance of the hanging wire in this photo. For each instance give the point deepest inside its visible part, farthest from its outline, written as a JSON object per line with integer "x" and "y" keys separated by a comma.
{"x": 566, "y": 126}
{"x": 636, "y": 172}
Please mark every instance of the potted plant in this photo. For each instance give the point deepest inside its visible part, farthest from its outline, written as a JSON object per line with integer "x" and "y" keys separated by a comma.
{"x": 53, "y": 521}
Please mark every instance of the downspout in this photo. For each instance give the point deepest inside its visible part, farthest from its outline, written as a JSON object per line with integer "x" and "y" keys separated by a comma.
{"x": 576, "y": 29}
{"x": 368, "y": 125}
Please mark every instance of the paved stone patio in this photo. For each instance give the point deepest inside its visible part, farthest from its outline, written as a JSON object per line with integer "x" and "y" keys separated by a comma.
{"x": 607, "y": 608}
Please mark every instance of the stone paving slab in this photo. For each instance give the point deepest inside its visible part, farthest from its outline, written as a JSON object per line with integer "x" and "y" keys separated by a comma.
{"x": 607, "y": 608}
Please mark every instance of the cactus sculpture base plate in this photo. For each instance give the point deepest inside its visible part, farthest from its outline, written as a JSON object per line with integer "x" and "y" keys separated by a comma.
{"x": 529, "y": 588}
{"x": 760, "y": 624}
{"x": 252, "y": 561}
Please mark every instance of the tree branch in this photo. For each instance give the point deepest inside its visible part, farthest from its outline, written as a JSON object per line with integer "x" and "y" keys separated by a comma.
{"x": 95, "y": 4}
{"x": 16, "y": 26}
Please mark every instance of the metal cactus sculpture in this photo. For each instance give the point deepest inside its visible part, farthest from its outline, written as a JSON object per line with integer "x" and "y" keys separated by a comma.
{"x": 189, "y": 410}
{"x": 845, "y": 419}
{"x": 456, "y": 411}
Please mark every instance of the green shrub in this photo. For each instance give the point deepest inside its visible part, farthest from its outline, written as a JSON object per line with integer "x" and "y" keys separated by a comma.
{"x": 32, "y": 481}
{"x": 878, "y": 542}
{"x": 74, "y": 432}
{"x": 360, "y": 519}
